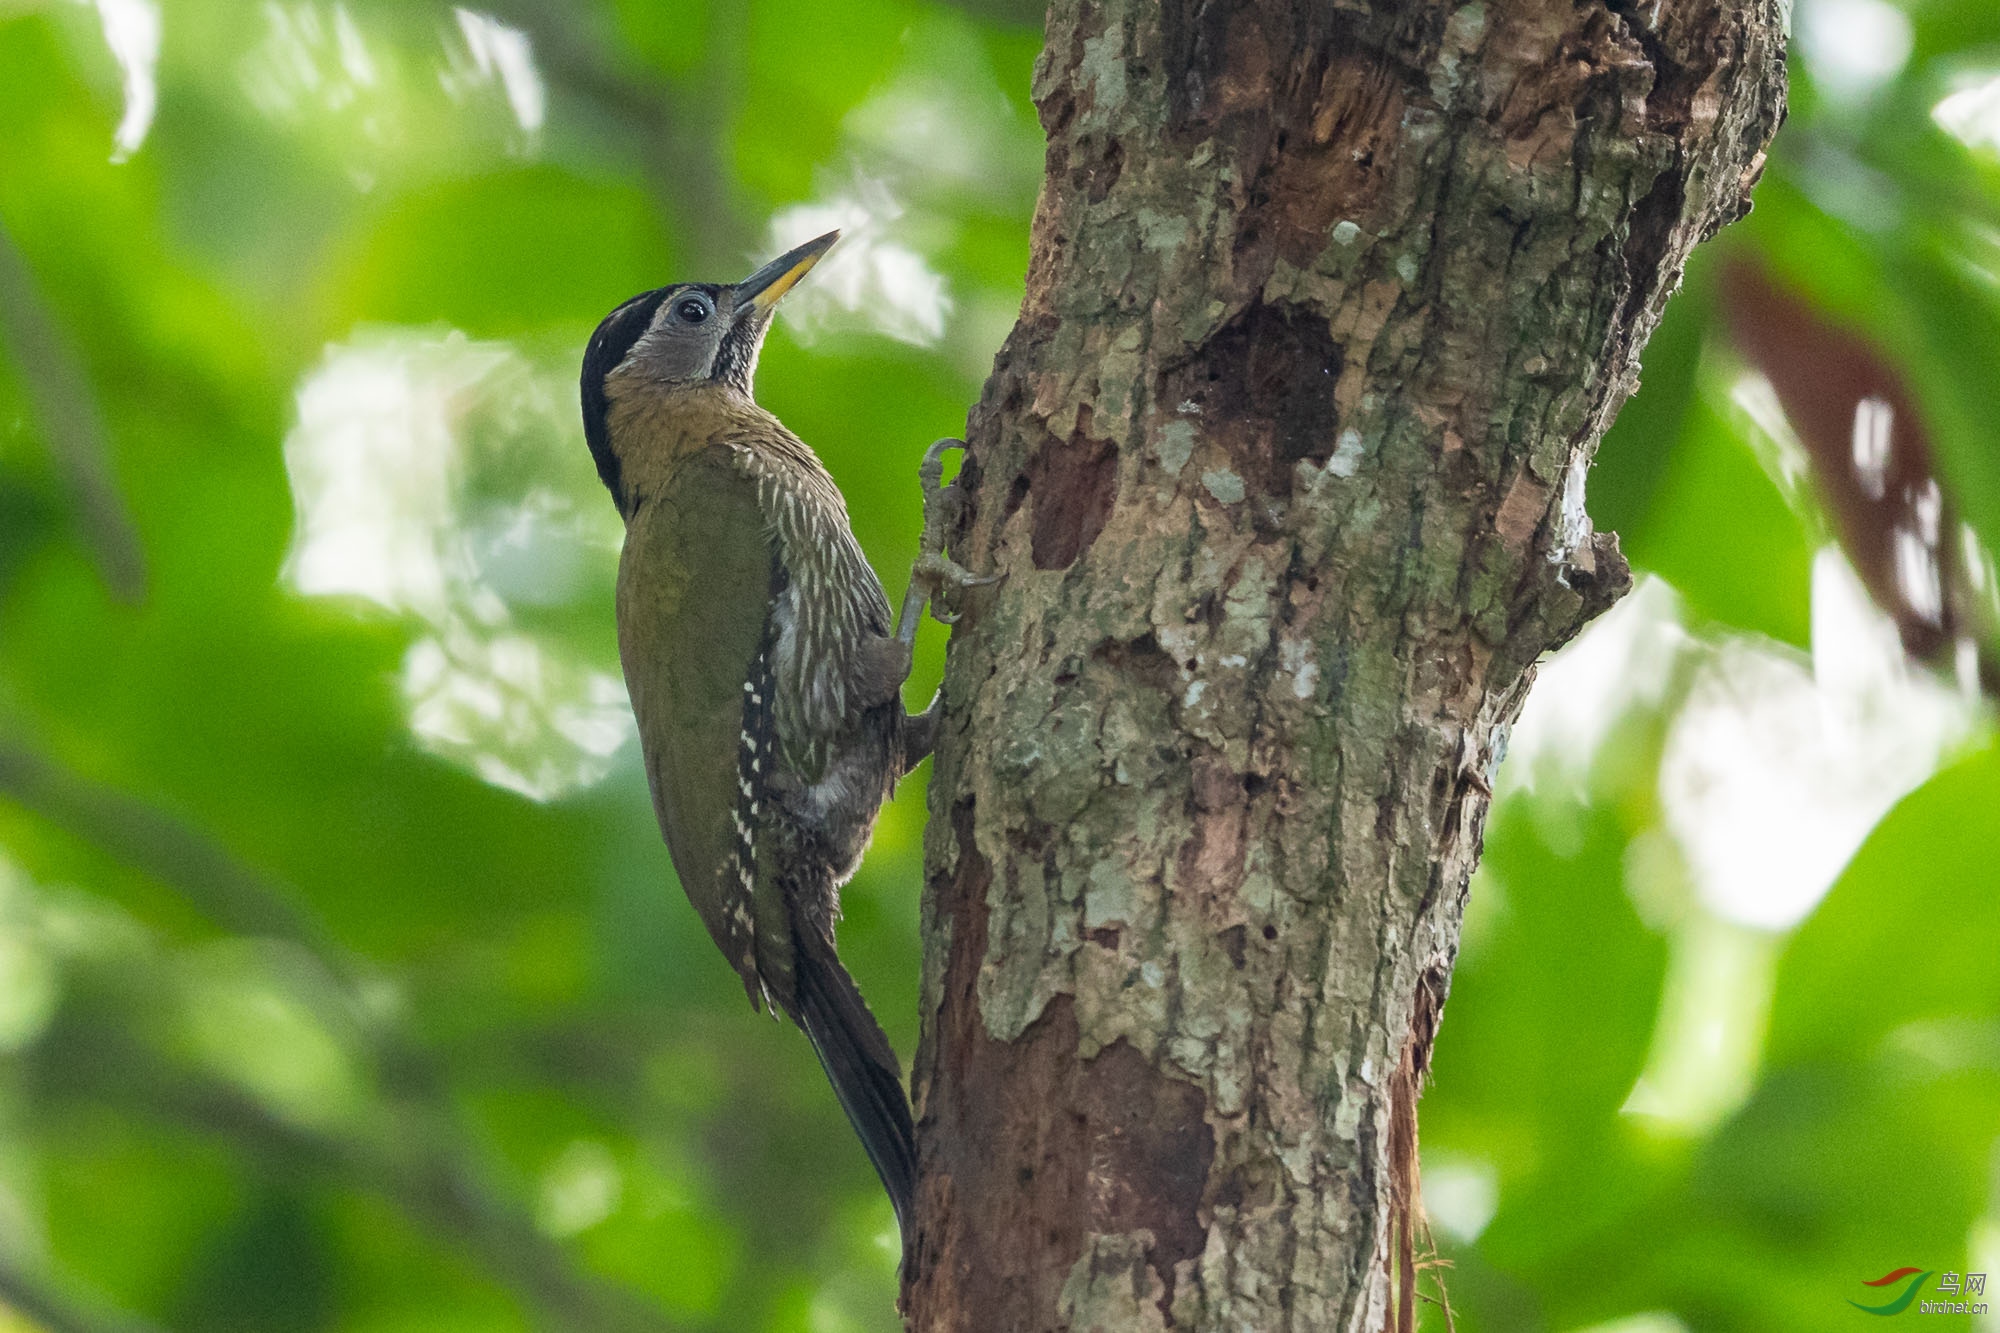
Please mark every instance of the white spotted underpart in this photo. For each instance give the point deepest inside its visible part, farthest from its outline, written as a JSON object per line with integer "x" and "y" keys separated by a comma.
{"x": 756, "y": 743}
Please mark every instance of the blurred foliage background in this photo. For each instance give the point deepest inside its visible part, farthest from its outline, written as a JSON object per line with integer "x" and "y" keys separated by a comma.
{"x": 343, "y": 984}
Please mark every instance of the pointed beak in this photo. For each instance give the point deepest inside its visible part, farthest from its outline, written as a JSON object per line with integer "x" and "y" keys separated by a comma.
{"x": 761, "y": 290}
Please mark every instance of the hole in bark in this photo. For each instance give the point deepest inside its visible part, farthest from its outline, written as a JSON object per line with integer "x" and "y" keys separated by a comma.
{"x": 1099, "y": 179}
{"x": 1143, "y": 661}
{"x": 1265, "y": 383}
{"x": 1075, "y": 484}
{"x": 1270, "y": 934}
{"x": 1016, "y": 493}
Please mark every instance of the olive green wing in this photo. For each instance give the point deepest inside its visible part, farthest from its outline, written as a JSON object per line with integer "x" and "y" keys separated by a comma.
{"x": 695, "y": 596}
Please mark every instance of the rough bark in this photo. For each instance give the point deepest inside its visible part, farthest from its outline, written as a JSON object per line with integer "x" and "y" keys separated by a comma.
{"x": 1283, "y": 465}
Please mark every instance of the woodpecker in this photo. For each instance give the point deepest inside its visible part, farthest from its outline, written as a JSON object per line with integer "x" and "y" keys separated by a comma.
{"x": 762, "y": 666}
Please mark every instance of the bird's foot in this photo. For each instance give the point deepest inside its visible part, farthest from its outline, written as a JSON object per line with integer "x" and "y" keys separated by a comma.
{"x": 934, "y": 571}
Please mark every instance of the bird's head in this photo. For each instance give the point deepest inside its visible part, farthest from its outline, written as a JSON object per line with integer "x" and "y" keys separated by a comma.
{"x": 685, "y": 336}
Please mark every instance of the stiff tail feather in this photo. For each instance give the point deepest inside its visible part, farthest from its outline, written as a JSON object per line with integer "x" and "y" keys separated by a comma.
{"x": 861, "y": 1065}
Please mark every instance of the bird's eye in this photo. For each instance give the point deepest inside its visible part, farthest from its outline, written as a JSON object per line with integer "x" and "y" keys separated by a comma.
{"x": 693, "y": 310}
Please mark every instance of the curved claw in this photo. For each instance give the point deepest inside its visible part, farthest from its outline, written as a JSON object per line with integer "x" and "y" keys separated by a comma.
{"x": 930, "y": 472}
{"x": 959, "y": 579}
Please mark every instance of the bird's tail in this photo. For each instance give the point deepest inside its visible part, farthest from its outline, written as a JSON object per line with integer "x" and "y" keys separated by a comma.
{"x": 861, "y": 1065}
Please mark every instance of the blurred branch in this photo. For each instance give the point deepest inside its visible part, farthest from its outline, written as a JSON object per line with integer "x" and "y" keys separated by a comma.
{"x": 221, "y": 888}
{"x": 416, "y": 1164}
{"x": 423, "y": 1162}
{"x": 57, "y": 1310}
{"x": 675, "y": 128}
{"x": 217, "y": 885}
{"x": 53, "y": 376}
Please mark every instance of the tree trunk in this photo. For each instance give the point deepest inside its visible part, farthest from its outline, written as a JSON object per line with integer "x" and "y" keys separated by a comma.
{"x": 1329, "y": 304}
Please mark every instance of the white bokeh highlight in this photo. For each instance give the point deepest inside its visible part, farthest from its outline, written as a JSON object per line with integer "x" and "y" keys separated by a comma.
{"x": 132, "y": 33}
{"x": 495, "y": 51}
{"x": 1852, "y": 47}
{"x": 1652, "y": 1321}
{"x": 1765, "y": 428}
{"x": 311, "y": 57}
{"x": 868, "y": 280}
{"x": 1971, "y": 112}
{"x": 1776, "y": 769}
{"x": 386, "y": 111}
{"x": 436, "y": 477}
{"x": 939, "y": 131}
{"x": 581, "y": 1188}
{"x": 1708, "y": 1041}
{"x": 1873, "y": 440}
{"x": 1461, "y": 1194}
{"x": 943, "y": 123}
{"x": 1625, "y": 660}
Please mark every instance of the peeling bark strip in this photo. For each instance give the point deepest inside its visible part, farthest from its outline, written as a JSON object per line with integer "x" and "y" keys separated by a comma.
{"x": 1329, "y": 304}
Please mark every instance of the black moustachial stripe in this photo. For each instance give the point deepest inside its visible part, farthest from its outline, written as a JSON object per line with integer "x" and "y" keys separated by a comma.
{"x": 736, "y": 358}
{"x": 608, "y": 347}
